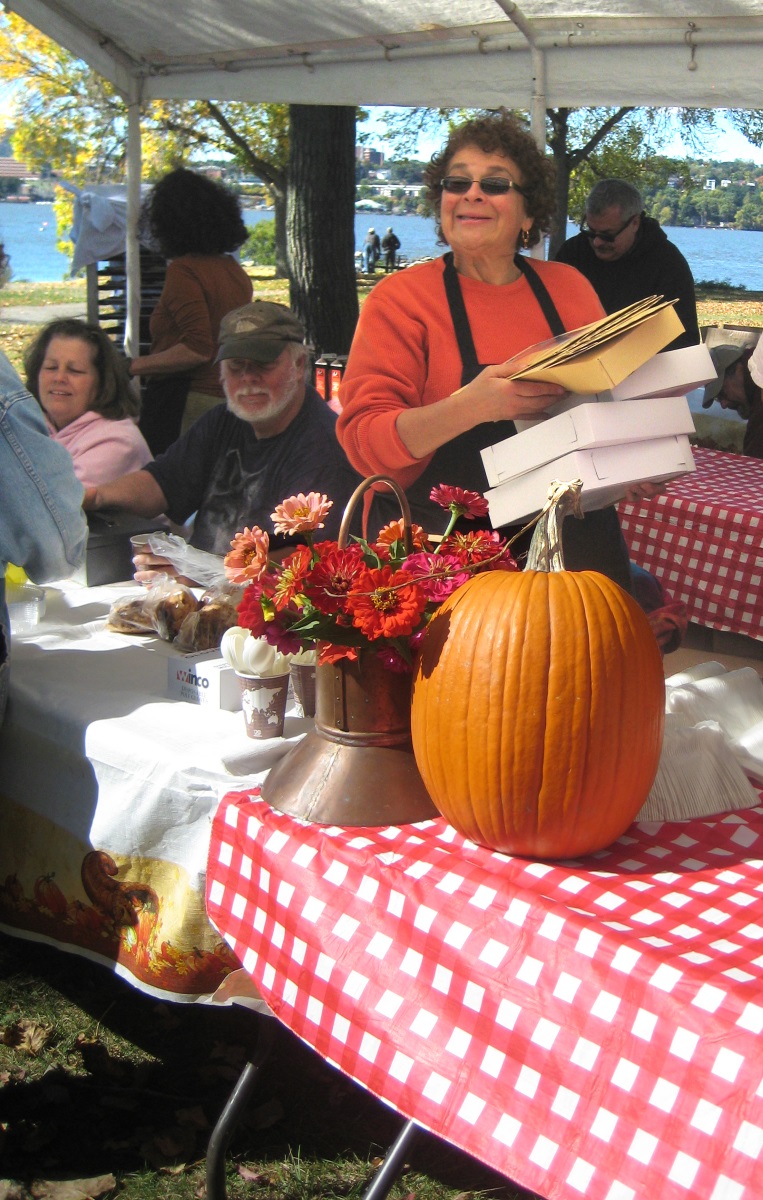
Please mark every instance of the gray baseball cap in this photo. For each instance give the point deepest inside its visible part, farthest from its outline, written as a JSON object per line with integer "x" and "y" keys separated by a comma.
{"x": 723, "y": 357}
{"x": 259, "y": 331}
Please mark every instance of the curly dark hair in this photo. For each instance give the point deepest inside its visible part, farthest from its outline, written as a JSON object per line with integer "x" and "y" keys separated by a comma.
{"x": 115, "y": 399}
{"x": 501, "y": 133}
{"x": 187, "y": 213}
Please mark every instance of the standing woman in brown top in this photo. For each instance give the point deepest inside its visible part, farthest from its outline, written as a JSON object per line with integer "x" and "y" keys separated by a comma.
{"x": 196, "y": 224}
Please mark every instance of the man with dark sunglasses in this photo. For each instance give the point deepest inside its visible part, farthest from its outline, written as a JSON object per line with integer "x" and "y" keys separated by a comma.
{"x": 627, "y": 256}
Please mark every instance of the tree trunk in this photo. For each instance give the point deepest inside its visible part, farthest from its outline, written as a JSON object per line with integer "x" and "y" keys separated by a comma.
{"x": 558, "y": 144}
{"x": 278, "y": 196}
{"x": 320, "y": 223}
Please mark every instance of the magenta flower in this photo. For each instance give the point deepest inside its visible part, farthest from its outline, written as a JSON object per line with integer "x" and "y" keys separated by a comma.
{"x": 436, "y": 574}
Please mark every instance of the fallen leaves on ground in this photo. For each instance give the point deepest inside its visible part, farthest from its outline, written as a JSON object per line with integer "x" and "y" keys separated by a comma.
{"x": 59, "y": 1189}
{"x": 28, "y": 1036}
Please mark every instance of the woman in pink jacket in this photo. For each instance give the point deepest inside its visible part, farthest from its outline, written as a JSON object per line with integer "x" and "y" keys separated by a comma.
{"x": 80, "y": 381}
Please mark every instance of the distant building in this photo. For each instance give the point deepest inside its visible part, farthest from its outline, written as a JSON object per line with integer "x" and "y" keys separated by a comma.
{"x": 709, "y": 185}
{"x": 371, "y": 158}
{"x": 11, "y": 168}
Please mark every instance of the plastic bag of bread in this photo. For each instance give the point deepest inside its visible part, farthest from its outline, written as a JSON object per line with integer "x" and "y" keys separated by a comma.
{"x": 203, "y": 629}
{"x": 129, "y": 615}
{"x": 169, "y": 603}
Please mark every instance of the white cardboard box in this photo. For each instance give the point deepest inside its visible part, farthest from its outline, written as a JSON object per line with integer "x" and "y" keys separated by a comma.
{"x": 604, "y": 423}
{"x": 606, "y": 472}
{"x": 671, "y": 373}
{"x": 199, "y": 677}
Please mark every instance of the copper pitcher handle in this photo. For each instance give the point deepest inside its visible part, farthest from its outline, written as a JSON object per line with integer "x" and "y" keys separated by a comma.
{"x": 360, "y": 490}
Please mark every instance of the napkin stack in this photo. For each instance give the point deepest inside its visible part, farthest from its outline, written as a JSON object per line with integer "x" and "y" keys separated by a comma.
{"x": 713, "y": 744}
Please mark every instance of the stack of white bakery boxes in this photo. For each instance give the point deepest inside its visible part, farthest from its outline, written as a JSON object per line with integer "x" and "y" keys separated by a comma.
{"x": 611, "y": 439}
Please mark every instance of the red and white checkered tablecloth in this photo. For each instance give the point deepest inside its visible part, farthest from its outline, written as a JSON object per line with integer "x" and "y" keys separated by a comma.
{"x": 588, "y": 1029}
{"x": 703, "y": 540}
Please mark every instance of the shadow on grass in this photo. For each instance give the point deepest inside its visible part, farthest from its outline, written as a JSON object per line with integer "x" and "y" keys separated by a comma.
{"x": 129, "y": 1082}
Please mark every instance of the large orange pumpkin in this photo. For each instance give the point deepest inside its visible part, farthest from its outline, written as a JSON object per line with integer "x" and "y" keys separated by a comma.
{"x": 538, "y": 706}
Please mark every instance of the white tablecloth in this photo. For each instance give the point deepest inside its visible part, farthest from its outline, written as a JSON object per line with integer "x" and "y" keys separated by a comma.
{"x": 94, "y": 758}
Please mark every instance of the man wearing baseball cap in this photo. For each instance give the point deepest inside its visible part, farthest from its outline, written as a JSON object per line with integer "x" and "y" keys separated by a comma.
{"x": 738, "y": 382}
{"x": 274, "y": 437}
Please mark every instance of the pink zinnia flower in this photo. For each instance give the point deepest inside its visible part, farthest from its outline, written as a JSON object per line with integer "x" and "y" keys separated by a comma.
{"x": 248, "y": 556}
{"x": 436, "y": 574}
{"x": 301, "y": 513}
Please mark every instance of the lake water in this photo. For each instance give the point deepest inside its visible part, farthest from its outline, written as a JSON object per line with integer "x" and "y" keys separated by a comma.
{"x": 730, "y": 255}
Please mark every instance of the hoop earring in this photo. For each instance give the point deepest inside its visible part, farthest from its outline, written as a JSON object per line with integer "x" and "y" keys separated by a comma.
{"x": 524, "y": 239}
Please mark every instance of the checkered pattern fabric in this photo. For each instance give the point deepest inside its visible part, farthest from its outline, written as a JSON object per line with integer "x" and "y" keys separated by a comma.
{"x": 703, "y": 540}
{"x": 588, "y": 1028}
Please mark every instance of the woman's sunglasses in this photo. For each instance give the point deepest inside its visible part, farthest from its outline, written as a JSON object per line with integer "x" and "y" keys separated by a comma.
{"x": 492, "y": 186}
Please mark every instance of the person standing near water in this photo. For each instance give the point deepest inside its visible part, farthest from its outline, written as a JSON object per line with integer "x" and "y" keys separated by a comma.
{"x": 390, "y": 245}
{"x": 627, "y": 256}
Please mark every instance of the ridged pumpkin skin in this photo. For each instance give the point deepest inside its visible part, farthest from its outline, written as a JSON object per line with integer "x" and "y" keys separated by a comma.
{"x": 538, "y": 711}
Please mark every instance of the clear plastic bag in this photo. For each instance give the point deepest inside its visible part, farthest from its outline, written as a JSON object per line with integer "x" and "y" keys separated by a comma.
{"x": 199, "y": 565}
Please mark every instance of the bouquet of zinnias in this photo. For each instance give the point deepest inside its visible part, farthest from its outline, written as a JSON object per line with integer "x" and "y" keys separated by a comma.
{"x": 343, "y": 598}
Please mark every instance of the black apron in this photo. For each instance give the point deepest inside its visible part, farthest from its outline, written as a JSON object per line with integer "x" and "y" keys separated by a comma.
{"x": 594, "y": 544}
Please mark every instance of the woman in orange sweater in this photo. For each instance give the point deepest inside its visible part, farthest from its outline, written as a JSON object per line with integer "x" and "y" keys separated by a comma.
{"x": 426, "y": 386}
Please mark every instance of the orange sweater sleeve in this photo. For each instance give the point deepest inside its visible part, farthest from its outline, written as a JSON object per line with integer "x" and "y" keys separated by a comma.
{"x": 404, "y": 353}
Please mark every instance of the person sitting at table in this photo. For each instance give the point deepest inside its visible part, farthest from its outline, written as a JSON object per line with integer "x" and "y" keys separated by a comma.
{"x": 274, "y": 437}
{"x": 627, "y": 256}
{"x": 42, "y": 530}
{"x": 738, "y": 384}
{"x": 427, "y": 385}
{"x": 80, "y": 381}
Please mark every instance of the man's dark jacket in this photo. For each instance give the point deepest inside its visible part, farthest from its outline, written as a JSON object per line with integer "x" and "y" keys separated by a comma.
{"x": 653, "y": 267}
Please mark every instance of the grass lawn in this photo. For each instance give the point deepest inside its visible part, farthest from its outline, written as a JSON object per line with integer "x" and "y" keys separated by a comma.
{"x": 99, "y": 1082}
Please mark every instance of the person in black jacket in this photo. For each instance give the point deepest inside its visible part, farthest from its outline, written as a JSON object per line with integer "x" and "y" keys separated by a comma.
{"x": 627, "y": 256}
{"x": 390, "y": 244}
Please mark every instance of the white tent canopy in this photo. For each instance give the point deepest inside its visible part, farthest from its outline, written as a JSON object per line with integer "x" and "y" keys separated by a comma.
{"x": 416, "y": 52}
{"x": 542, "y": 53}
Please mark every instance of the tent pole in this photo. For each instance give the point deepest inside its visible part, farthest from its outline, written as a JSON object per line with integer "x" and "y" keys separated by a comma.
{"x": 132, "y": 245}
{"x": 538, "y": 118}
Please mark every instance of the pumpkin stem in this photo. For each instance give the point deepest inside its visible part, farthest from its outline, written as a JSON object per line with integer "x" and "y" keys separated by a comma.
{"x": 545, "y": 553}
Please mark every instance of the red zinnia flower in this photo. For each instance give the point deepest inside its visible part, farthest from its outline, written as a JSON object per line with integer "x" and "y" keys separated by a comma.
{"x": 328, "y": 653}
{"x": 330, "y": 580}
{"x": 385, "y": 603}
{"x": 481, "y": 549}
{"x": 250, "y": 612}
{"x": 461, "y": 503}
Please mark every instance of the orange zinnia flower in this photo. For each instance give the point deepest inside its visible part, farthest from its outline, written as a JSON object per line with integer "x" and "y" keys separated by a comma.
{"x": 385, "y": 603}
{"x": 394, "y": 533}
{"x": 248, "y": 556}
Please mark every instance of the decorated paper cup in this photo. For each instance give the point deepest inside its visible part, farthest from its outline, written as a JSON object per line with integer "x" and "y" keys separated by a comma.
{"x": 263, "y": 700}
{"x": 303, "y": 682}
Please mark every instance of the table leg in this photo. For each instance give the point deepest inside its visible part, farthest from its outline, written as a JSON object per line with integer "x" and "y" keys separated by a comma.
{"x": 236, "y": 1103}
{"x": 393, "y": 1162}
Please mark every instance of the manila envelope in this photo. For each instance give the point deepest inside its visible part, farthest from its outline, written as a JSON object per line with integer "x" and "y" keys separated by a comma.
{"x": 604, "y": 366}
